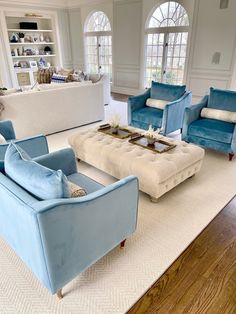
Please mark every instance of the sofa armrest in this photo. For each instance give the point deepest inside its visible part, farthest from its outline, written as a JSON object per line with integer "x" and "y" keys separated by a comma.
{"x": 77, "y": 232}
{"x": 63, "y": 159}
{"x": 137, "y": 102}
{"x": 174, "y": 113}
{"x": 7, "y": 130}
{"x": 193, "y": 113}
{"x": 34, "y": 147}
{"x": 233, "y": 142}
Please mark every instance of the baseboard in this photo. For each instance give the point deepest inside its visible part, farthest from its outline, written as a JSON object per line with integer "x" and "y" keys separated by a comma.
{"x": 126, "y": 91}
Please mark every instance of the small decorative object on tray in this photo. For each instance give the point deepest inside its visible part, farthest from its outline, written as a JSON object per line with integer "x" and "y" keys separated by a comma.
{"x": 115, "y": 122}
{"x": 159, "y": 146}
{"x": 152, "y": 135}
{"x": 118, "y": 132}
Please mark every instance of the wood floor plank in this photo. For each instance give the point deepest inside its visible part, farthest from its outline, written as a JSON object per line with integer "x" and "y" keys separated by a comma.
{"x": 203, "y": 278}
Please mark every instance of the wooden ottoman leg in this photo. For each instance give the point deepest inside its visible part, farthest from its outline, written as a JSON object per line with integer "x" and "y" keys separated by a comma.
{"x": 78, "y": 159}
{"x": 59, "y": 294}
{"x": 122, "y": 244}
{"x": 231, "y": 156}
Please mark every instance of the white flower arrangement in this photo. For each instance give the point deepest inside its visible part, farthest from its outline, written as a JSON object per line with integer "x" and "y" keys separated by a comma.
{"x": 151, "y": 133}
{"x": 115, "y": 121}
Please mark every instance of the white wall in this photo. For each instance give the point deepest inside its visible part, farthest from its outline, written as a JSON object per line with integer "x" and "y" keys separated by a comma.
{"x": 214, "y": 30}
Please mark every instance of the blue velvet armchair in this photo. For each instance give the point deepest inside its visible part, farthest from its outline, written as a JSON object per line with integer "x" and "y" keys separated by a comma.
{"x": 60, "y": 238}
{"x": 170, "y": 119}
{"x": 34, "y": 146}
{"x": 211, "y": 133}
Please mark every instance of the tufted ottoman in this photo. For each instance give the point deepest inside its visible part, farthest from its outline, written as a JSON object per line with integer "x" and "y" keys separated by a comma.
{"x": 157, "y": 173}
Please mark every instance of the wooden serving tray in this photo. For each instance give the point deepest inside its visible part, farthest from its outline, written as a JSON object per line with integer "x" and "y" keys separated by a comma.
{"x": 121, "y": 133}
{"x": 159, "y": 146}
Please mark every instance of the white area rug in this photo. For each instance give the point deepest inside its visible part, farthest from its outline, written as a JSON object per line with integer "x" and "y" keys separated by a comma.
{"x": 119, "y": 279}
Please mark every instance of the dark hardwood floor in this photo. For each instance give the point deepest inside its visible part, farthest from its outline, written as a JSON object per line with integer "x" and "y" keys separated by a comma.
{"x": 203, "y": 278}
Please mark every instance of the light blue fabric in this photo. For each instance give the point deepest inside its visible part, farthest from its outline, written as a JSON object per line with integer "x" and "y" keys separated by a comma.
{"x": 166, "y": 91}
{"x": 222, "y": 99}
{"x": 88, "y": 184}
{"x": 40, "y": 181}
{"x": 34, "y": 146}
{"x": 59, "y": 238}
{"x": 170, "y": 119}
{"x": 148, "y": 116}
{"x": 210, "y": 133}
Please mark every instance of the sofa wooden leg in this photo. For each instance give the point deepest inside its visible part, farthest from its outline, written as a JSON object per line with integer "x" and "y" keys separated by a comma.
{"x": 59, "y": 294}
{"x": 122, "y": 244}
{"x": 231, "y": 156}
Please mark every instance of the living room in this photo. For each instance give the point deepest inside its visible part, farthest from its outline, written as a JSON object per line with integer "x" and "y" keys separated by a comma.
{"x": 117, "y": 166}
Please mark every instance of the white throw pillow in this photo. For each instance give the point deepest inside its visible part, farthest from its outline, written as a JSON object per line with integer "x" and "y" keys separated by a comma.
{"x": 76, "y": 190}
{"x": 156, "y": 103}
{"x": 223, "y": 115}
{"x": 2, "y": 139}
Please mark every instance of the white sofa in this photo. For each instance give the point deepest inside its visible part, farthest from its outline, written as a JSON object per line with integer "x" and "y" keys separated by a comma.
{"x": 55, "y": 109}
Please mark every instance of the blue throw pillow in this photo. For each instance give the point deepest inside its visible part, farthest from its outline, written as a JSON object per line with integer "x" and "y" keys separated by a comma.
{"x": 40, "y": 181}
{"x": 222, "y": 99}
{"x": 166, "y": 91}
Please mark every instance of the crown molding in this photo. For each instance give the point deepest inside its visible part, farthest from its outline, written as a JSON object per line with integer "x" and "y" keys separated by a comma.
{"x": 81, "y": 3}
{"x": 62, "y": 4}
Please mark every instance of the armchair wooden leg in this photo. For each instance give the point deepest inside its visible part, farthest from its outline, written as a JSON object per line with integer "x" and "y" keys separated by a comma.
{"x": 122, "y": 244}
{"x": 59, "y": 294}
{"x": 231, "y": 156}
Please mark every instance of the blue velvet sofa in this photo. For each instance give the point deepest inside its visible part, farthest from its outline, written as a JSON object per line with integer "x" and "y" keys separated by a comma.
{"x": 170, "y": 119}
{"x": 34, "y": 146}
{"x": 211, "y": 133}
{"x": 60, "y": 238}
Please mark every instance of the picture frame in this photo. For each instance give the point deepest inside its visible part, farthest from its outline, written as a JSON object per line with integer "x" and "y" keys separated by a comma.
{"x": 33, "y": 64}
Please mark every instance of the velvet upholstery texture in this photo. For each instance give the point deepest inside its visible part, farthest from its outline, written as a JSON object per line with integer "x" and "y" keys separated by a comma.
{"x": 211, "y": 133}
{"x": 44, "y": 183}
{"x": 34, "y": 146}
{"x": 167, "y": 91}
{"x": 222, "y": 99}
{"x": 170, "y": 119}
{"x": 60, "y": 238}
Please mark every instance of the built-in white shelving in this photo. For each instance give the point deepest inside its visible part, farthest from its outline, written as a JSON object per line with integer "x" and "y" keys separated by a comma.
{"x": 32, "y": 48}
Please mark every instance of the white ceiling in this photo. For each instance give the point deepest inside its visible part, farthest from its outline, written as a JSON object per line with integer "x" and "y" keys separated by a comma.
{"x": 52, "y": 3}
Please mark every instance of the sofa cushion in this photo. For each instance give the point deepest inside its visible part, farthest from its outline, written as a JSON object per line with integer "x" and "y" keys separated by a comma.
{"x": 212, "y": 129}
{"x": 40, "y": 181}
{"x": 166, "y": 91}
{"x": 223, "y": 115}
{"x": 148, "y": 115}
{"x": 222, "y": 99}
{"x": 156, "y": 103}
{"x": 76, "y": 190}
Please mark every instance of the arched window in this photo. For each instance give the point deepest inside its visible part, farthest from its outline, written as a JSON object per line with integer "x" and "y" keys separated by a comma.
{"x": 98, "y": 42}
{"x": 166, "y": 44}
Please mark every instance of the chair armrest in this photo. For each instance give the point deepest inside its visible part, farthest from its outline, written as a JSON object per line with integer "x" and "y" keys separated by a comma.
{"x": 63, "y": 159}
{"x": 77, "y": 232}
{"x": 192, "y": 114}
{"x": 137, "y": 102}
{"x": 34, "y": 147}
{"x": 174, "y": 113}
{"x": 233, "y": 142}
{"x": 7, "y": 130}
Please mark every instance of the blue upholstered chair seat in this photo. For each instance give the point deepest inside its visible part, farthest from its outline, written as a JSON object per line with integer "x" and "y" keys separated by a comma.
{"x": 212, "y": 129}
{"x": 87, "y": 183}
{"x": 170, "y": 119}
{"x": 149, "y": 116}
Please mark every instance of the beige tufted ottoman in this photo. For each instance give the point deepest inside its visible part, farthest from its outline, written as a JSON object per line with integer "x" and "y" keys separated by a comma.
{"x": 157, "y": 173}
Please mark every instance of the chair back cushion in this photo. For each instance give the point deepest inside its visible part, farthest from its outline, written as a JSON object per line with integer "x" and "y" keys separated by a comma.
{"x": 40, "y": 181}
{"x": 223, "y": 115}
{"x": 222, "y": 99}
{"x": 166, "y": 91}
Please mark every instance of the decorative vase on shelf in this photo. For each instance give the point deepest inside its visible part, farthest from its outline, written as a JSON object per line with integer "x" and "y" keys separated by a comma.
{"x": 22, "y": 40}
{"x": 41, "y": 38}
